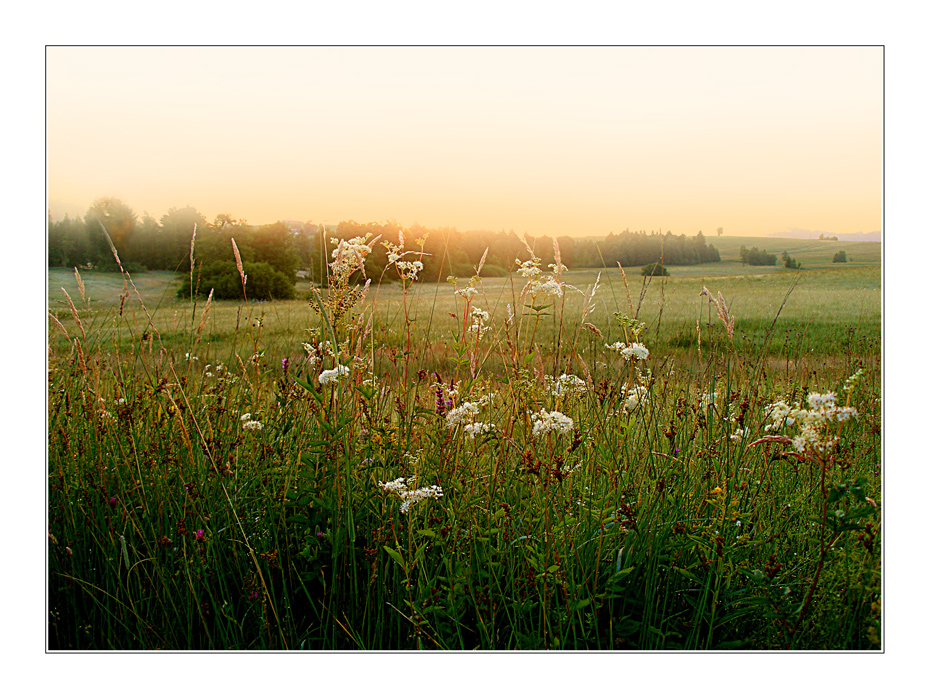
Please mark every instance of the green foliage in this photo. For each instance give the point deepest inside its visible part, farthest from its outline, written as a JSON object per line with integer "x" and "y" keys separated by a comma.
{"x": 840, "y": 256}
{"x": 655, "y": 270}
{"x": 755, "y": 257}
{"x": 263, "y": 282}
{"x": 173, "y": 525}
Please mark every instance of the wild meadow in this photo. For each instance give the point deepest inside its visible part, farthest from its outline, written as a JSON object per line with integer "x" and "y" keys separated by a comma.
{"x": 554, "y": 460}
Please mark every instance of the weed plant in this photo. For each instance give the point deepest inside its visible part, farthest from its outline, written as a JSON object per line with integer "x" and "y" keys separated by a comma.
{"x": 541, "y": 478}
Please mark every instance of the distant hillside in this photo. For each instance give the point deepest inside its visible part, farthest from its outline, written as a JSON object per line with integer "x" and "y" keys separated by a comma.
{"x": 873, "y": 236}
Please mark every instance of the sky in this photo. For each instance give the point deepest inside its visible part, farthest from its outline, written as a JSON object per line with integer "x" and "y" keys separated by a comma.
{"x": 548, "y": 141}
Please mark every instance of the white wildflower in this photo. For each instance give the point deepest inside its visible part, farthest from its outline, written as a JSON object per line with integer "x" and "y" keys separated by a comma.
{"x": 333, "y": 375}
{"x": 813, "y": 423}
{"x": 462, "y": 415}
{"x": 478, "y": 428}
{"x": 253, "y": 426}
{"x": 245, "y": 417}
{"x": 467, "y": 292}
{"x": 634, "y": 397}
{"x": 565, "y": 385}
{"x": 740, "y": 435}
{"x": 479, "y": 321}
{"x": 545, "y": 422}
{"x": 632, "y": 351}
{"x": 401, "y": 488}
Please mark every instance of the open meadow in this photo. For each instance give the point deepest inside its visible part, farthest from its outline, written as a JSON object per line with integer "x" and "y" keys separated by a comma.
{"x": 560, "y": 459}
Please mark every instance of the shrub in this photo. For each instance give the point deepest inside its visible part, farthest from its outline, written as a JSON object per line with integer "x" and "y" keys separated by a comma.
{"x": 263, "y": 283}
{"x": 840, "y": 256}
{"x": 655, "y": 270}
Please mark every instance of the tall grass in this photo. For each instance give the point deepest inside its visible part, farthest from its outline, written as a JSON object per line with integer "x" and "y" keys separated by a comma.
{"x": 214, "y": 495}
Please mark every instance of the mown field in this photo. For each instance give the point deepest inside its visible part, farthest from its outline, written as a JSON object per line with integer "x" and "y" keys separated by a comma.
{"x": 415, "y": 474}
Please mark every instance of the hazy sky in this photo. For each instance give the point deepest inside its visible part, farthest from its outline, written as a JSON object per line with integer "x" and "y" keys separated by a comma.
{"x": 554, "y": 141}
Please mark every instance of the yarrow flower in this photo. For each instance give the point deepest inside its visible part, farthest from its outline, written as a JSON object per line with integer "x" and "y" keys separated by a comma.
{"x": 402, "y": 489}
{"x": 333, "y": 375}
{"x": 545, "y": 422}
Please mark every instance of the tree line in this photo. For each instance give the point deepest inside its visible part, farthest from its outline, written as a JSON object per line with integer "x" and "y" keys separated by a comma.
{"x": 272, "y": 255}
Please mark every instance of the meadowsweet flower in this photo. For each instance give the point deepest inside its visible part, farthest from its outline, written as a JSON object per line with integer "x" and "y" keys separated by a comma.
{"x": 402, "y": 489}
{"x": 253, "y": 426}
{"x": 475, "y": 429}
{"x": 545, "y": 422}
{"x": 632, "y": 351}
{"x": 462, "y": 415}
{"x": 813, "y": 424}
{"x": 349, "y": 255}
{"x": 740, "y": 434}
{"x": 245, "y": 417}
{"x": 479, "y": 321}
{"x": 565, "y": 385}
{"x": 635, "y": 397}
{"x": 333, "y": 375}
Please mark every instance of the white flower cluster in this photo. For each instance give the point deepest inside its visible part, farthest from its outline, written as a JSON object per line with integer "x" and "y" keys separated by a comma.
{"x": 473, "y": 429}
{"x": 333, "y": 375}
{"x": 349, "y": 255}
{"x": 316, "y": 353}
{"x": 633, "y": 351}
{"x": 466, "y": 292}
{"x": 405, "y": 268}
{"x": 210, "y": 371}
{"x": 708, "y": 400}
{"x": 466, "y": 413}
{"x": 462, "y": 415}
{"x": 402, "y": 488}
{"x": 480, "y": 322}
{"x": 813, "y": 423}
{"x": 565, "y": 385}
{"x": 545, "y": 422}
{"x": 635, "y": 397}
{"x": 539, "y": 285}
{"x": 250, "y": 425}
{"x": 740, "y": 434}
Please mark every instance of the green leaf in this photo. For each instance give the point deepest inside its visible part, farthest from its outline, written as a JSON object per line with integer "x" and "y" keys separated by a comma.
{"x": 581, "y": 604}
{"x": 397, "y": 557}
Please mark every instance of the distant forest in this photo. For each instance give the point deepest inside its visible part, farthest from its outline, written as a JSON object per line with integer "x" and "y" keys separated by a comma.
{"x": 285, "y": 248}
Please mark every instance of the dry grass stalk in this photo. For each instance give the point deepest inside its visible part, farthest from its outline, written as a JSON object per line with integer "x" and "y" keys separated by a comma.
{"x": 481, "y": 263}
{"x": 80, "y": 283}
{"x": 193, "y": 238}
{"x": 723, "y": 311}
{"x": 60, "y": 326}
{"x": 74, "y": 314}
{"x": 206, "y": 310}
{"x": 629, "y": 299}
{"x": 242, "y": 274}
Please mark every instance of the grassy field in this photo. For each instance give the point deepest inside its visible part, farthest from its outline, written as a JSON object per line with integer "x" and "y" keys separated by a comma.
{"x": 415, "y": 474}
